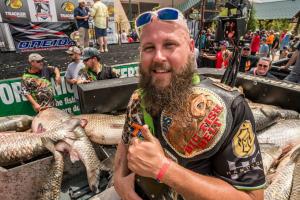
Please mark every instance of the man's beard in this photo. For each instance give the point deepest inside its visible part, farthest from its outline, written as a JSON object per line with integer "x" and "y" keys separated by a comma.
{"x": 173, "y": 96}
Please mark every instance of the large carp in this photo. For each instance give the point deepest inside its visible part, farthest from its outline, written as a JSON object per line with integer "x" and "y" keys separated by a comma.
{"x": 282, "y": 133}
{"x": 24, "y": 146}
{"x": 15, "y": 123}
{"x": 104, "y": 129}
{"x": 51, "y": 186}
{"x": 48, "y": 119}
{"x": 280, "y": 188}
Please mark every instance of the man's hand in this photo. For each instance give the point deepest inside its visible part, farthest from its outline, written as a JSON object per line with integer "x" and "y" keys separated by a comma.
{"x": 80, "y": 81}
{"x": 125, "y": 187}
{"x": 283, "y": 67}
{"x": 37, "y": 107}
{"x": 145, "y": 157}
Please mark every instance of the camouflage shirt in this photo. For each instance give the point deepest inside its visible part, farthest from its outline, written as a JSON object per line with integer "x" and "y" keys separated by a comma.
{"x": 106, "y": 73}
{"x": 38, "y": 85}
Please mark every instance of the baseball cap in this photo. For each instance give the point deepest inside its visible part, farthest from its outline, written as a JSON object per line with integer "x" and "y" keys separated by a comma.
{"x": 246, "y": 46}
{"x": 89, "y": 52}
{"x": 35, "y": 57}
{"x": 73, "y": 49}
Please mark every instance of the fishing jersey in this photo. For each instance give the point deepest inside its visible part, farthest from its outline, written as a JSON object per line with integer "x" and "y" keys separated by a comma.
{"x": 105, "y": 73}
{"x": 38, "y": 85}
{"x": 214, "y": 137}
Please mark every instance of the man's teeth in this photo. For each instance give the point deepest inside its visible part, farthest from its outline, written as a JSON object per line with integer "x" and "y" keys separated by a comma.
{"x": 160, "y": 71}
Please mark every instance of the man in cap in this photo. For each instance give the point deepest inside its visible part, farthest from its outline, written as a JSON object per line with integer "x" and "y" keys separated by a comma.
{"x": 94, "y": 70}
{"x": 81, "y": 14}
{"x": 36, "y": 85}
{"x": 197, "y": 138}
{"x": 73, "y": 69}
{"x": 222, "y": 57}
{"x": 248, "y": 61}
{"x": 100, "y": 14}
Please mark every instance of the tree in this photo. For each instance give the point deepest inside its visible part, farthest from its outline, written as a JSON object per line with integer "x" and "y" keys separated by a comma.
{"x": 252, "y": 22}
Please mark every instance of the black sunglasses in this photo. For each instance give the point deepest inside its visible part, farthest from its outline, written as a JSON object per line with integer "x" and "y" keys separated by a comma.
{"x": 39, "y": 61}
{"x": 246, "y": 49}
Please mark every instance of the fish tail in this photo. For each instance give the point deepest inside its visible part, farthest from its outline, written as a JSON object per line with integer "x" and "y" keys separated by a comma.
{"x": 94, "y": 179}
{"x": 48, "y": 143}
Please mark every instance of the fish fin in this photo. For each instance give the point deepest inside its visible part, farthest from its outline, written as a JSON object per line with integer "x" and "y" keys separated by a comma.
{"x": 83, "y": 122}
{"x": 94, "y": 179}
{"x": 48, "y": 143}
{"x": 295, "y": 154}
{"x": 74, "y": 156}
{"x": 40, "y": 128}
{"x": 70, "y": 135}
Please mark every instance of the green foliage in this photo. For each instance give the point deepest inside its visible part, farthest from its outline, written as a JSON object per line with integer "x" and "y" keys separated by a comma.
{"x": 277, "y": 25}
{"x": 252, "y": 22}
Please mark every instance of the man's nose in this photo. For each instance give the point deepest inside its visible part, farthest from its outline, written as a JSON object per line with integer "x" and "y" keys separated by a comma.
{"x": 159, "y": 56}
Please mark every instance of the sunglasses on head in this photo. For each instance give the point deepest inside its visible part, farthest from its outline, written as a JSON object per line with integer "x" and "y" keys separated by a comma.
{"x": 164, "y": 14}
{"x": 264, "y": 66}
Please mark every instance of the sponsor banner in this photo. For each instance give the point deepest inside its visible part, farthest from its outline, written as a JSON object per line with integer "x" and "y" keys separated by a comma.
{"x": 41, "y": 36}
{"x": 6, "y": 41}
{"x": 13, "y": 103}
{"x": 42, "y": 10}
{"x": 127, "y": 69}
{"x": 65, "y": 9}
{"x": 14, "y": 10}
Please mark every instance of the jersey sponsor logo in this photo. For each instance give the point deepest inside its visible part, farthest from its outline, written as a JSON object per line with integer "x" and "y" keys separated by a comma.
{"x": 238, "y": 169}
{"x": 243, "y": 142}
{"x": 68, "y": 6}
{"x": 201, "y": 130}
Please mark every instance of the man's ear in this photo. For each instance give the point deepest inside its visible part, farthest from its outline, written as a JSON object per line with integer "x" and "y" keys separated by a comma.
{"x": 192, "y": 45}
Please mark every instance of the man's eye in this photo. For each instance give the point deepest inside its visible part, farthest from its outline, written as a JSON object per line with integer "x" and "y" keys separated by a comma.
{"x": 169, "y": 45}
{"x": 150, "y": 48}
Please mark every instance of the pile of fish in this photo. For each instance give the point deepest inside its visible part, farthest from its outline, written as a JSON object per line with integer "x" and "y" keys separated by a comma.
{"x": 56, "y": 131}
{"x": 278, "y": 132}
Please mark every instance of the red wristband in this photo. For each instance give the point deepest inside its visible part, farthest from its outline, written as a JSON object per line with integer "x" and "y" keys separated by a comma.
{"x": 163, "y": 170}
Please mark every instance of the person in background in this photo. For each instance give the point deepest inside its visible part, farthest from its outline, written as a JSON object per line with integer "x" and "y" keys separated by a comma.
{"x": 255, "y": 42}
{"x": 262, "y": 68}
{"x": 284, "y": 42}
{"x": 294, "y": 75}
{"x": 124, "y": 37}
{"x": 134, "y": 35}
{"x": 275, "y": 46}
{"x": 284, "y": 53}
{"x": 81, "y": 14}
{"x": 129, "y": 39}
{"x": 264, "y": 48}
{"x": 73, "y": 69}
{"x": 100, "y": 14}
{"x": 36, "y": 84}
{"x": 248, "y": 61}
{"x": 270, "y": 40}
{"x": 94, "y": 69}
{"x": 222, "y": 57}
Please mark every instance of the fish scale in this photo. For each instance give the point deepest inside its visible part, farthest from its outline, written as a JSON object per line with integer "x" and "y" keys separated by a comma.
{"x": 15, "y": 123}
{"x": 282, "y": 133}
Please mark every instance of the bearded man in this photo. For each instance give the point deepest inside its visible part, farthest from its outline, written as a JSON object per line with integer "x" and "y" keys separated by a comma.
{"x": 183, "y": 138}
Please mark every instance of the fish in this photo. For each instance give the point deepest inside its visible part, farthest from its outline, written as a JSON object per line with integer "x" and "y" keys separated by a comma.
{"x": 269, "y": 153}
{"x": 82, "y": 149}
{"x": 264, "y": 118}
{"x": 295, "y": 193}
{"x": 52, "y": 183}
{"x": 16, "y": 148}
{"x": 283, "y": 113}
{"x": 104, "y": 129}
{"x": 280, "y": 188}
{"x": 282, "y": 133}
{"x": 17, "y": 123}
{"x": 48, "y": 119}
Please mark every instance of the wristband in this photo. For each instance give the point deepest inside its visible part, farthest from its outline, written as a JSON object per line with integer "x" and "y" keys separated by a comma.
{"x": 163, "y": 170}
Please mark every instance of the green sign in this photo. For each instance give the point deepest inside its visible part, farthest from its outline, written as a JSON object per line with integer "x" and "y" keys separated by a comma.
{"x": 127, "y": 69}
{"x": 13, "y": 103}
